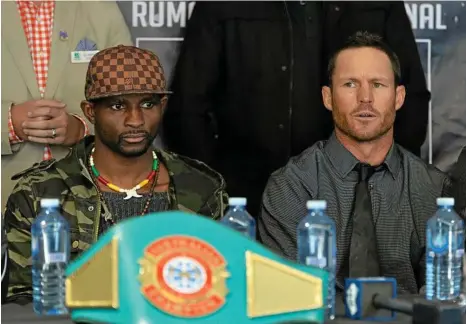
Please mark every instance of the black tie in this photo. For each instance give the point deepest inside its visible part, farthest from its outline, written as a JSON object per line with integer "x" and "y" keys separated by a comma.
{"x": 363, "y": 258}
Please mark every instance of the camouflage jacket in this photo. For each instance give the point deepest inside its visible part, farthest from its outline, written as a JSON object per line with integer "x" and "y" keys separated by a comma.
{"x": 194, "y": 187}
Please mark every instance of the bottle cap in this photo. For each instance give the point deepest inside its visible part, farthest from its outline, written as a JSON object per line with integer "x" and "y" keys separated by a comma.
{"x": 445, "y": 201}
{"x": 316, "y": 204}
{"x": 49, "y": 202}
{"x": 237, "y": 201}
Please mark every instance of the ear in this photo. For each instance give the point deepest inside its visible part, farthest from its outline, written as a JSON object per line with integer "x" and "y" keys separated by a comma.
{"x": 327, "y": 97}
{"x": 163, "y": 103}
{"x": 400, "y": 96}
{"x": 88, "y": 111}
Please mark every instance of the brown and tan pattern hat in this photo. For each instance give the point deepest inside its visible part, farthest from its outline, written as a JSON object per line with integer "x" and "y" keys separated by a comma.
{"x": 124, "y": 70}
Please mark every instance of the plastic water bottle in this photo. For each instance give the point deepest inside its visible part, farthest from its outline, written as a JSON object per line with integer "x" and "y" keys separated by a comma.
{"x": 50, "y": 255}
{"x": 317, "y": 245}
{"x": 444, "y": 255}
{"x": 238, "y": 218}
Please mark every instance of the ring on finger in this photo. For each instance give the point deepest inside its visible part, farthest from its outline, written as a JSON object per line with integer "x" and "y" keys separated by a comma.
{"x": 54, "y": 133}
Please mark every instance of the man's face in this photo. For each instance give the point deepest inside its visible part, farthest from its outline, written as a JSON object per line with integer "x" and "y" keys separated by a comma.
{"x": 126, "y": 124}
{"x": 363, "y": 97}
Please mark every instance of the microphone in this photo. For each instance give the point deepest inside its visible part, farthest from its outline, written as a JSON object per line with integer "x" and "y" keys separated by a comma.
{"x": 364, "y": 296}
{"x": 374, "y": 299}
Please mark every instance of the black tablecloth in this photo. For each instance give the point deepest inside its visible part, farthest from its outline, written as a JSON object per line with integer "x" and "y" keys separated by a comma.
{"x": 16, "y": 313}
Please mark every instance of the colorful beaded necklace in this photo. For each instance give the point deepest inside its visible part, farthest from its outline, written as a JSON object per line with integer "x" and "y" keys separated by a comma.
{"x": 130, "y": 193}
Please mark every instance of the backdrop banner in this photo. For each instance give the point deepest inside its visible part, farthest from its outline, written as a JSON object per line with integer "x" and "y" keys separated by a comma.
{"x": 440, "y": 29}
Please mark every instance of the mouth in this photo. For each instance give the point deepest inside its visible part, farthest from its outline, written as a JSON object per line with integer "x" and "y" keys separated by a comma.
{"x": 365, "y": 114}
{"x": 134, "y": 138}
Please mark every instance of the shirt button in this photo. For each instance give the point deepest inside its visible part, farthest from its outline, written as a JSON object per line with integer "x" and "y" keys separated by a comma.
{"x": 75, "y": 244}
{"x": 337, "y": 8}
{"x": 90, "y": 208}
{"x": 302, "y": 3}
{"x": 309, "y": 18}
{"x": 371, "y": 186}
{"x": 284, "y": 67}
{"x": 280, "y": 126}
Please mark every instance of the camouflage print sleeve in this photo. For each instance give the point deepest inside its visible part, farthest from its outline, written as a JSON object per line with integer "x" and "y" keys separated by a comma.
{"x": 19, "y": 214}
{"x": 218, "y": 203}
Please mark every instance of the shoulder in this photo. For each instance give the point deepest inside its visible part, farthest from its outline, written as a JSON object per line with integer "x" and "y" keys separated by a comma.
{"x": 458, "y": 171}
{"x": 294, "y": 183}
{"x": 191, "y": 174}
{"x": 419, "y": 170}
{"x": 456, "y": 188}
{"x": 300, "y": 166}
{"x": 35, "y": 169}
{"x": 40, "y": 177}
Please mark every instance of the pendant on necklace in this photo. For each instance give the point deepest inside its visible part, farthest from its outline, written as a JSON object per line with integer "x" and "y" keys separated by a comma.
{"x": 130, "y": 193}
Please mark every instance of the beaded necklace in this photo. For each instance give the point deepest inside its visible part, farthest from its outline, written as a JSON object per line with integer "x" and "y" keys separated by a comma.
{"x": 101, "y": 196}
{"x": 130, "y": 193}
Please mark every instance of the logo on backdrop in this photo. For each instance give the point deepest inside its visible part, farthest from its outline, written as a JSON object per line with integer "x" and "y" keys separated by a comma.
{"x": 183, "y": 276}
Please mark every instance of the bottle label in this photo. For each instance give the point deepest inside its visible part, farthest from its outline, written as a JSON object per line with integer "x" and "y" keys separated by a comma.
{"x": 444, "y": 243}
{"x": 439, "y": 243}
{"x": 34, "y": 244}
{"x": 320, "y": 262}
{"x": 459, "y": 253}
{"x": 55, "y": 258}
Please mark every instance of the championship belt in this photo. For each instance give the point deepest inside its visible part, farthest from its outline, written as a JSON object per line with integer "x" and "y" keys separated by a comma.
{"x": 175, "y": 267}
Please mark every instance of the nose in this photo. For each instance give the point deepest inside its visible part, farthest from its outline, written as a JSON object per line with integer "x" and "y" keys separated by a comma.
{"x": 134, "y": 117}
{"x": 365, "y": 93}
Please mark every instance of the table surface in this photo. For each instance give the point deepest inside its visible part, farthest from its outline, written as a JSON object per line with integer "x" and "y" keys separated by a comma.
{"x": 24, "y": 314}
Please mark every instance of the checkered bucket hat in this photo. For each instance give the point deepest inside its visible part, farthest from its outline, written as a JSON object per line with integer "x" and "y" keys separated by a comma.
{"x": 124, "y": 70}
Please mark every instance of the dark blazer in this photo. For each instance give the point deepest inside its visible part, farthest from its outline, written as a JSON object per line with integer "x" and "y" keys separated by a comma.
{"x": 247, "y": 84}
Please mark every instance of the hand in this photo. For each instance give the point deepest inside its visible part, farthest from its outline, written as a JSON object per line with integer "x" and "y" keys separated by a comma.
{"x": 59, "y": 127}
{"x": 19, "y": 113}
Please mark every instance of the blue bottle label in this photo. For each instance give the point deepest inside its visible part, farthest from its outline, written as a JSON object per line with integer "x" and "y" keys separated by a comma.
{"x": 439, "y": 243}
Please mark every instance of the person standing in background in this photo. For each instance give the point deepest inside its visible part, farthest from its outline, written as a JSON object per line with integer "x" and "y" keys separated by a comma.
{"x": 248, "y": 79}
{"x": 46, "y": 46}
{"x": 449, "y": 126}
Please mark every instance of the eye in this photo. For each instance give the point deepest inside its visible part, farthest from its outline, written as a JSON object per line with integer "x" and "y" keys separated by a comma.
{"x": 378, "y": 85}
{"x": 350, "y": 84}
{"x": 117, "y": 106}
{"x": 148, "y": 105}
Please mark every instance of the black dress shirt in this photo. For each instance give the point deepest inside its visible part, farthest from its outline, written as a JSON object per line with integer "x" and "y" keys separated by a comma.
{"x": 403, "y": 198}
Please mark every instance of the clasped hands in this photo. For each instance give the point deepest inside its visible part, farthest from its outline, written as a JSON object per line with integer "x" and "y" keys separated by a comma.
{"x": 47, "y": 122}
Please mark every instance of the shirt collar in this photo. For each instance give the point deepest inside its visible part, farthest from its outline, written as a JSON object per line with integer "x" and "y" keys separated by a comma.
{"x": 344, "y": 162}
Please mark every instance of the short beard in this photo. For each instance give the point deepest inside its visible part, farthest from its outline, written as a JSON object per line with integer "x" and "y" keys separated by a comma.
{"x": 364, "y": 138}
{"x": 118, "y": 147}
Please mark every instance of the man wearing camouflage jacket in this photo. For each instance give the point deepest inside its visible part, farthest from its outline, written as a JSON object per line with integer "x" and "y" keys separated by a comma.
{"x": 125, "y": 97}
